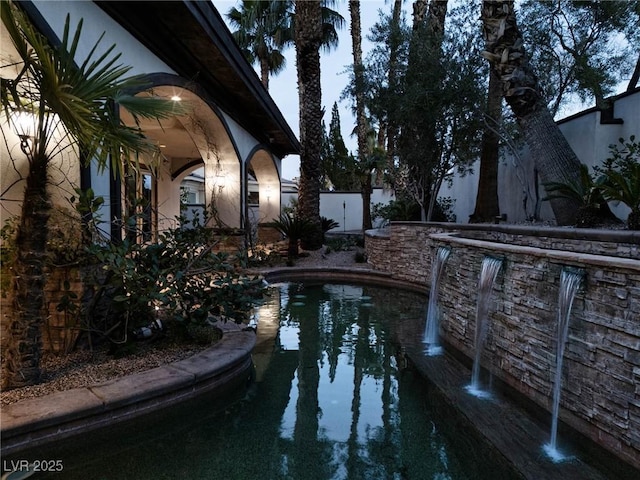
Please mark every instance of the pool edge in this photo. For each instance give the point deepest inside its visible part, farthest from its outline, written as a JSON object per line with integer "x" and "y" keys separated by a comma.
{"x": 37, "y": 421}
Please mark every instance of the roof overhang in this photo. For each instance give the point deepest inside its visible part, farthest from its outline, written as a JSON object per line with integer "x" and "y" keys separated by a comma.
{"x": 192, "y": 38}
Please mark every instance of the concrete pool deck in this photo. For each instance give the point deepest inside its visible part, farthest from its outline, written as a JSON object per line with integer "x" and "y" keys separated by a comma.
{"x": 35, "y": 421}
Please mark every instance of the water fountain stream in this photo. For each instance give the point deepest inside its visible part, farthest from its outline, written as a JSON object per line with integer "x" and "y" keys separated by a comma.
{"x": 488, "y": 273}
{"x": 432, "y": 327}
{"x": 570, "y": 280}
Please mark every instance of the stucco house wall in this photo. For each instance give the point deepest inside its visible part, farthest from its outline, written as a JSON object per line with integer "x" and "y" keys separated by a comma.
{"x": 222, "y": 138}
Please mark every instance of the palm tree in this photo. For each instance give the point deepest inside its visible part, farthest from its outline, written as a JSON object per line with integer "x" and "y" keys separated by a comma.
{"x": 263, "y": 30}
{"x": 67, "y": 108}
{"x": 487, "y": 201}
{"x": 505, "y": 51}
{"x": 266, "y": 27}
{"x": 361, "y": 120}
{"x": 314, "y": 27}
{"x": 394, "y": 50}
{"x": 308, "y": 38}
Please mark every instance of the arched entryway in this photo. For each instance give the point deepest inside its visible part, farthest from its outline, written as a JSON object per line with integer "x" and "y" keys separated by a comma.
{"x": 197, "y": 138}
{"x": 263, "y": 187}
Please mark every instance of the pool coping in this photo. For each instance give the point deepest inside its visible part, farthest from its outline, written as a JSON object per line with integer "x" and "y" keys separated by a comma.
{"x": 359, "y": 275}
{"x": 35, "y": 421}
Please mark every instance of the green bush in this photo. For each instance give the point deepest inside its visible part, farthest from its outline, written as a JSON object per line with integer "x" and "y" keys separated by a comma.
{"x": 293, "y": 228}
{"x": 618, "y": 179}
{"x": 179, "y": 275}
{"x": 625, "y": 188}
{"x": 622, "y": 172}
{"x": 586, "y": 191}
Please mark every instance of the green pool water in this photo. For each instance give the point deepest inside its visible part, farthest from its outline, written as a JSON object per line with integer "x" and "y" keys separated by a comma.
{"x": 330, "y": 399}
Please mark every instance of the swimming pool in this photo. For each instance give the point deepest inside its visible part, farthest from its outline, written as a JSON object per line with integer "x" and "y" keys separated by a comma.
{"x": 330, "y": 400}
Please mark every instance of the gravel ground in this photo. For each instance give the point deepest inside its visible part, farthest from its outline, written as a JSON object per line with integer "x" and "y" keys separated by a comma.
{"x": 84, "y": 368}
{"x": 319, "y": 258}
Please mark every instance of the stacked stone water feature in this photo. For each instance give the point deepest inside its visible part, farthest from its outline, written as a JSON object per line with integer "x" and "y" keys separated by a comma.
{"x": 601, "y": 370}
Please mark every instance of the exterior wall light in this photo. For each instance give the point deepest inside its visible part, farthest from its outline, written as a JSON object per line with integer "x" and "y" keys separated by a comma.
{"x": 23, "y": 124}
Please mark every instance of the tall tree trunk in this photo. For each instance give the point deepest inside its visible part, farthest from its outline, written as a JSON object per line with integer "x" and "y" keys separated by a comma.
{"x": 308, "y": 37}
{"x": 394, "y": 46}
{"x": 24, "y": 348}
{"x": 435, "y": 22}
{"x": 264, "y": 72}
{"x": 361, "y": 121}
{"x": 635, "y": 76}
{"x": 487, "y": 202}
{"x": 551, "y": 152}
{"x": 437, "y": 14}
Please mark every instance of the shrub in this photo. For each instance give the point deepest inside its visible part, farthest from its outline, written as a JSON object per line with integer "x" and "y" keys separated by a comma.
{"x": 618, "y": 179}
{"x": 293, "y": 228}
{"x": 622, "y": 172}
{"x": 626, "y": 189}
{"x": 328, "y": 224}
{"x": 586, "y": 191}
{"x": 180, "y": 274}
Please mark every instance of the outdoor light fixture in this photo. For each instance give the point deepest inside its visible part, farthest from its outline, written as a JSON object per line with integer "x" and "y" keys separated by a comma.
{"x": 176, "y": 98}
{"x": 23, "y": 124}
{"x": 220, "y": 175}
{"x": 219, "y": 169}
{"x": 268, "y": 192}
{"x": 26, "y": 142}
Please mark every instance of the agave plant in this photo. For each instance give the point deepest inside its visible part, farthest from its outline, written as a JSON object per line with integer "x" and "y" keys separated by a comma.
{"x": 293, "y": 228}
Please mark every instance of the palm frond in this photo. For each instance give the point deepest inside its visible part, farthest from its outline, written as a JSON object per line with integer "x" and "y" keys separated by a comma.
{"x": 80, "y": 97}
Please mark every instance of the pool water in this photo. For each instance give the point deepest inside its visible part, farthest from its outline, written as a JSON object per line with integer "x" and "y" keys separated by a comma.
{"x": 331, "y": 399}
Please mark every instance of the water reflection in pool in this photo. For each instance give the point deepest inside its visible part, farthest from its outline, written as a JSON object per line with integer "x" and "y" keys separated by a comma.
{"x": 329, "y": 401}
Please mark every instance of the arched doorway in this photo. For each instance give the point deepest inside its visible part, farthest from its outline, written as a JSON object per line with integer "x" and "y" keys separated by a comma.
{"x": 187, "y": 141}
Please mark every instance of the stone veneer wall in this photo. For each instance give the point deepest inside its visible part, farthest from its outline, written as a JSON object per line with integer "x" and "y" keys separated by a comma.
{"x": 60, "y": 330}
{"x": 601, "y": 372}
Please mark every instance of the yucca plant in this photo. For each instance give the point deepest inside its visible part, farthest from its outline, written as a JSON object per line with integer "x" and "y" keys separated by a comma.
{"x": 293, "y": 228}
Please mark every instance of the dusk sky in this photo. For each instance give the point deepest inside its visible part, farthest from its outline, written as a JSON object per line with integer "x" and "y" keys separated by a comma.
{"x": 283, "y": 87}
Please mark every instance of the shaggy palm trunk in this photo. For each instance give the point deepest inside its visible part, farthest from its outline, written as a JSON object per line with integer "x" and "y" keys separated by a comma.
{"x": 554, "y": 158}
{"x": 308, "y": 37}
{"x": 487, "y": 202}
{"x": 264, "y": 72}
{"x": 24, "y": 346}
{"x": 361, "y": 121}
{"x": 367, "y": 189}
{"x": 394, "y": 46}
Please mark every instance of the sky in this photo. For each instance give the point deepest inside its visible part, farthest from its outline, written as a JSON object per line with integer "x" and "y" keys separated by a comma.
{"x": 334, "y": 75}
{"x": 334, "y": 65}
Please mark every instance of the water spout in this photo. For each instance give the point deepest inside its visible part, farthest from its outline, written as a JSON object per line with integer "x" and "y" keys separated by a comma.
{"x": 432, "y": 327}
{"x": 570, "y": 281}
{"x": 488, "y": 273}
